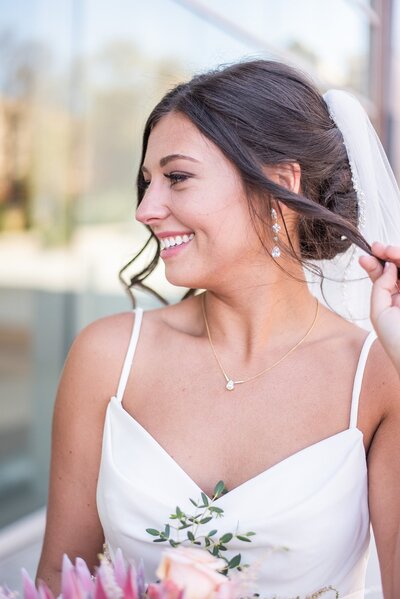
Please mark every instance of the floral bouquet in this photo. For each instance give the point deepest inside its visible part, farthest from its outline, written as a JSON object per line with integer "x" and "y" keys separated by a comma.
{"x": 184, "y": 573}
{"x": 198, "y": 571}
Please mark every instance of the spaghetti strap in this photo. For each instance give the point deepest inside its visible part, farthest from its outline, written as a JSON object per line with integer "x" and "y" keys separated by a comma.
{"x": 129, "y": 354}
{"x": 359, "y": 377}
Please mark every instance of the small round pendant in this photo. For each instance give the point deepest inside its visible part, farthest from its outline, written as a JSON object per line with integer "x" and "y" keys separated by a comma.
{"x": 230, "y": 385}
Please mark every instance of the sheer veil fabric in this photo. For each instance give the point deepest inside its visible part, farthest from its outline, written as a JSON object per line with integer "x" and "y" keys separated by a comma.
{"x": 347, "y": 288}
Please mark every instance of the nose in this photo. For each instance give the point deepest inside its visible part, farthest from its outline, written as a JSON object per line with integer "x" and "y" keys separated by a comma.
{"x": 153, "y": 207}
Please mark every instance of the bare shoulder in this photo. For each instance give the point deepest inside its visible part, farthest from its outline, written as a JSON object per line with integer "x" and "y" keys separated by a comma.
{"x": 105, "y": 332}
{"x": 381, "y": 382}
{"x": 339, "y": 339}
{"x": 340, "y": 345}
{"x": 97, "y": 353}
{"x": 183, "y": 317}
{"x": 380, "y": 388}
{"x": 379, "y": 401}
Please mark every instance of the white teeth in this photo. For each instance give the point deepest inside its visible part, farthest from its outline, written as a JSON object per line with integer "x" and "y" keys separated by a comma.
{"x": 168, "y": 242}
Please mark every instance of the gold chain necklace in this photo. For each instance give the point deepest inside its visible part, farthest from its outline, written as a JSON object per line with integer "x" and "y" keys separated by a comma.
{"x": 230, "y": 383}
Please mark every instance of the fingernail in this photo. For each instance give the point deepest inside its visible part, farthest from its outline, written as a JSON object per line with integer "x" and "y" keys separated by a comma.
{"x": 387, "y": 266}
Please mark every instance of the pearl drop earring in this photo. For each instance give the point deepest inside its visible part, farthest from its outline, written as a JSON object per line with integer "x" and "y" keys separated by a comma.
{"x": 276, "y": 252}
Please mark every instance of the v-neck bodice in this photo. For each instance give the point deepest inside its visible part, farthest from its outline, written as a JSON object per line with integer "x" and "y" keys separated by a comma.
{"x": 309, "y": 511}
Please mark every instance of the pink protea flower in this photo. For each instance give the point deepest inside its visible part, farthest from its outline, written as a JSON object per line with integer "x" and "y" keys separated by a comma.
{"x": 74, "y": 584}
{"x": 83, "y": 574}
{"x": 29, "y": 589}
{"x": 185, "y": 574}
{"x": 112, "y": 581}
{"x": 106, "y": 586}
{"x": 120, "y": 569}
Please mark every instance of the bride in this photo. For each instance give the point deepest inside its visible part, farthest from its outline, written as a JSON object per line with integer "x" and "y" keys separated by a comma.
{"x": 247, "y": 187}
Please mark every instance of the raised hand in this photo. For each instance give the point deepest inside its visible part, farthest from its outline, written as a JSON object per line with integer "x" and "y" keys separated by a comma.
{"x": 385, "y": 298}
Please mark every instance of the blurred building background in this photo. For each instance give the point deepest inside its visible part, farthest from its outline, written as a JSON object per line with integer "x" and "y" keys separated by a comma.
{"x": 77, "y": 80}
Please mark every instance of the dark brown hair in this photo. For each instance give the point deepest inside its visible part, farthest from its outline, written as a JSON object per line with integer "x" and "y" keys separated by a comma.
{"x": 262, "y": 113}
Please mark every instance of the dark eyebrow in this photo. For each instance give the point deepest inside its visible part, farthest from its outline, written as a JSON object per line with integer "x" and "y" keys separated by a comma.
{"x": 167, "y": 159}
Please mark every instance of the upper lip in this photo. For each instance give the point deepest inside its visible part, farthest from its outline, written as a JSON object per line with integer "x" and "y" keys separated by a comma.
{"x": 172, "y": 234}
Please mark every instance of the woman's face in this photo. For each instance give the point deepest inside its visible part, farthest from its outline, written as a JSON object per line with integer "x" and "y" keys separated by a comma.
{"x": 195, "y": 203}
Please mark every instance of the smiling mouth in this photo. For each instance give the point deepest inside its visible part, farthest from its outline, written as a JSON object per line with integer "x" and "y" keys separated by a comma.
{"x": 170, "y": 242}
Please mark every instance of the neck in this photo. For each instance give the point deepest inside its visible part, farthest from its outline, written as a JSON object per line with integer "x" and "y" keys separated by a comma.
{"x": 246, "y": 323}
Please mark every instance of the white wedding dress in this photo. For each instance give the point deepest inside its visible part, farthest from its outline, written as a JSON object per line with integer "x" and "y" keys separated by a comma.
{"x": 314, "y": 503}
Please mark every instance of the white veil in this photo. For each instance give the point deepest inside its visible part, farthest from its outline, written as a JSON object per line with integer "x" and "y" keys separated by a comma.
{"x": 346, "y": 288}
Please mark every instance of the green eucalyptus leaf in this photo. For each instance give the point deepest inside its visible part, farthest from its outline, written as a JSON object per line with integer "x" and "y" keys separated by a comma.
{"x": 235, "y": 561}
{"x": 205, "y": 499}
{"x": 207, "y": 541}
{"x": 167, "y": 530}
{"x": 222, "y": 547}
{"x": 219, "y": 488}
{"x": 190, "y": 535}
{"x": 205, "y": 520}
{"x": 153, "y": 531}
{"x": 242, "y": 538}
{"x": 215, "y": 550}
{"x": 194, "y": 502}
{"x": 159, "y": 540}
{"x": 212, "y": 532}
{"x": 250, "y": 534}
{"x": 184, "y": 526}
{"x": 173, "y": 543}
{"x": 196, "y": 543}
{"x": 216, "y": 510}
{"x": 226, "y": 538}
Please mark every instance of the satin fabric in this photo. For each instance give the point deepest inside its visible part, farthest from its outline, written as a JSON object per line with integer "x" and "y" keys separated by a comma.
{"x": 309, "y": 511}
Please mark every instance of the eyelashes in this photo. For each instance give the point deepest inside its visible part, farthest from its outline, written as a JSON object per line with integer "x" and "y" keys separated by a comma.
{"x": 176, "y": 177}
{"x": 173, "y": 177}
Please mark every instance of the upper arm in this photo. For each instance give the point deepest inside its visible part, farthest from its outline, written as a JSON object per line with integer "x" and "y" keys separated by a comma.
{"x": 88, "y": 380}
{"x": 384, "y": 468}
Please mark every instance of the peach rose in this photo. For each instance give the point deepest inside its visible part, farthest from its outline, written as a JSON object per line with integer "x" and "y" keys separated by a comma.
{"x": 197, "y": 572}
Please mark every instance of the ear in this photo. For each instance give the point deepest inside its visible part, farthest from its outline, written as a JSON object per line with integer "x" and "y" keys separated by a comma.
{"x": 285, "y": 174}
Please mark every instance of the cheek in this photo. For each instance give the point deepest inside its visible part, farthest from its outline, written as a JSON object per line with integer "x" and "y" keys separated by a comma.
{"x": 232, "y": 242}
{"x": 217, "y": 198}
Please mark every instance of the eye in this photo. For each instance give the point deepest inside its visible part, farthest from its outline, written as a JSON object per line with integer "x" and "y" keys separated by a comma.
{"x": 176, "y": 177}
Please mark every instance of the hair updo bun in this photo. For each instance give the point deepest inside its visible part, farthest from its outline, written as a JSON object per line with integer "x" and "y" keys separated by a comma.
{"x": 318, "y": 239}
{"x": 263, "y": 113}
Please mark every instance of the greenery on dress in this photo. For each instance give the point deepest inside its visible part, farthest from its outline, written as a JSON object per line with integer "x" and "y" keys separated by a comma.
{"x": 190, "y": 523}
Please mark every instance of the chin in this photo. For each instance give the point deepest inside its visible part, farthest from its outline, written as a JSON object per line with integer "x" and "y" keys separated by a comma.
{"x": 179, "y": 278}
{"x": 183, "y": 282}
